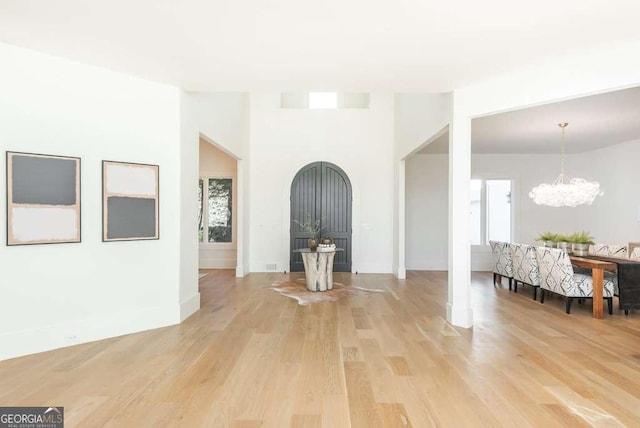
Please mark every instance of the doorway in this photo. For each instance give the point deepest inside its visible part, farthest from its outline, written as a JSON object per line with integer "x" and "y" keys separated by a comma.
{"x": 321, "y": 192}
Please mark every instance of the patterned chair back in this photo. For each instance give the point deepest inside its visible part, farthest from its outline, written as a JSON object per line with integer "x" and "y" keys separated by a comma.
{"x": 525, "y": 264}
{"x": 635, "y": 254}
{"x": 502, "y": 258}
{"x": 608, "y": 250}
{"x": 556, "y": 271}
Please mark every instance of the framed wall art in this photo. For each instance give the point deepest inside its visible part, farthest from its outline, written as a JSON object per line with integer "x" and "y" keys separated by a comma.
{"x": 130, "y": 201}
{"x": 43, "y": 199}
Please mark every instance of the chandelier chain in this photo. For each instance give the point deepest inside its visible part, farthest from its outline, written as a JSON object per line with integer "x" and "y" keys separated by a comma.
{"x": 562, "y": 125}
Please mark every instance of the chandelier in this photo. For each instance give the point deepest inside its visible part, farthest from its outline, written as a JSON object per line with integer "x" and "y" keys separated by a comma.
{"x": 565, "y": 192}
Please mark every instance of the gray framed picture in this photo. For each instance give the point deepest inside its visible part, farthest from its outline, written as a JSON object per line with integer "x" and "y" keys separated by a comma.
{"x": 43, "y": 199}
{"x": 130, "y": 201}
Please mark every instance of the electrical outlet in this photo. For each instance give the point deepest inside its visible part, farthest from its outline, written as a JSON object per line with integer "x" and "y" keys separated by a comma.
{"x": 272, "y": 266}
{"x": 71, "y": 338}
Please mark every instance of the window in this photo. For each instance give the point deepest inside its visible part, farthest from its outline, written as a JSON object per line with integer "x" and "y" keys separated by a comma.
{"x": 323, "y": 100}
{"x": 490, "y": 213}
{"x": 215, "y": 210}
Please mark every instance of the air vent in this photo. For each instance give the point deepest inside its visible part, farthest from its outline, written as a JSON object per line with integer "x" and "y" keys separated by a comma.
{"x": 271, "y": 266}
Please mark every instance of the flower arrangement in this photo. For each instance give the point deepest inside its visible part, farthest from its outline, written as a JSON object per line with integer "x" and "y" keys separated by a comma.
{"x": 309, "y": 225}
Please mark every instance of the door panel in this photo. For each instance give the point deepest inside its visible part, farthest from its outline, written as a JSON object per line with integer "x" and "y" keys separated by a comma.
{"x": 336, "y": 213}
{"x": 305, "y": 202}
{"x": 321, "y": 191}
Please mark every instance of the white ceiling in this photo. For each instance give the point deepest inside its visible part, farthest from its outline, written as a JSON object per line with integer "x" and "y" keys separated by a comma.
{"x": 594, "y": 122}
{"x": 357, "y": 45}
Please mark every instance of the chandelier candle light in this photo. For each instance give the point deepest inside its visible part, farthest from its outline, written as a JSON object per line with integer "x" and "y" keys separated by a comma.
{"x": 565, "y": 192}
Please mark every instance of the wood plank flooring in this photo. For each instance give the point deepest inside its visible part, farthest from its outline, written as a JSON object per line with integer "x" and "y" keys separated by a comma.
{"x": 254, "y": 358}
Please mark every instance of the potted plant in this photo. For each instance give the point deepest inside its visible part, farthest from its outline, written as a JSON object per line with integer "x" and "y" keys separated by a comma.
{"x": 580, "y": 242}
{"x": 548, "y": 239}
{"x": 313, "y": 227}
{"x": 562, "y": 242}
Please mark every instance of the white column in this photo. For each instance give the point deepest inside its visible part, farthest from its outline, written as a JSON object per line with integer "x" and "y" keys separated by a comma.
{"x": 459, "y": 311}
{"x": 401, "y": 271}
{"x": 240, "y": 244}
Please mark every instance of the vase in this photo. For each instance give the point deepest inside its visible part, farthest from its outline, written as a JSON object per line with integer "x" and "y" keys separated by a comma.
{"x": 312, "y": 243}
{"x": 581, "y": 249}
{"x": 549, "y": 244}
{"x": 565, "y": 246}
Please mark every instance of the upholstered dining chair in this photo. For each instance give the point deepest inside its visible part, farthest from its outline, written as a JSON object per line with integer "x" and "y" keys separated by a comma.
{"x": 502, "y": 261}
{"x": 557, "y": 276}
{"x": 525, "y": 267}
{"x": 608, "y": 250}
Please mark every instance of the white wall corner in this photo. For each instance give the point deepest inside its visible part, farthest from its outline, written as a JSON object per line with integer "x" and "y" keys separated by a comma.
{"x": 189, "y": 306}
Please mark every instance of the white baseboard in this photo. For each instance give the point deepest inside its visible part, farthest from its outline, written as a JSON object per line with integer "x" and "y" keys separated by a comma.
{"x": 239, "y": 271}
{"x": 372, "y": 268}
{"x": 399, "y": 272}
{"x": 427, "y": 265}
{"x": 216, "y": 264}
{"x": 31, "y": 341}
{"x": 189, "y": 306}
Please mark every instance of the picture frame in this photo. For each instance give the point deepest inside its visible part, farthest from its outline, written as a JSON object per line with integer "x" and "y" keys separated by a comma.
{"x": 130, "y": 201}
{"x": 43, "y": 199}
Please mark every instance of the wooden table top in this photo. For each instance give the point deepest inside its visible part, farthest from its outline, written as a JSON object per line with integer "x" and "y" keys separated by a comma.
{"x": 592, "y": 263}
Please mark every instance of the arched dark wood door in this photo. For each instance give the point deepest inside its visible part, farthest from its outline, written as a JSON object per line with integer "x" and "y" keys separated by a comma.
{"x": 321, "y": 191}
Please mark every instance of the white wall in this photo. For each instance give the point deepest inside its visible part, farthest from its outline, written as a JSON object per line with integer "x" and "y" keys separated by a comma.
{"x": 418, "y": 117}
{"x": 615, "y": 218}
{"x": 427, "y": 189}
{"x": 221, "y": 117}
{"x": 360, "y": 141}
{"x": 215, "y": 163}
{"x": 427, "y": 198}
{"x": 62, "y": 294}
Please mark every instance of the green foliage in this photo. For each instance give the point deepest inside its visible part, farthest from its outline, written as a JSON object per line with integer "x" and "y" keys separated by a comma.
{"x": 220, "y": 233}
{"x": 548, "y": 236}
{"x": 582, "y": 237}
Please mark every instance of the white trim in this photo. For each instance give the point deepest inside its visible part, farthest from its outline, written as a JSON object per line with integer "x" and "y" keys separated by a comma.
{"x": 400, "y": 269}
{"x": 217, "y": 245}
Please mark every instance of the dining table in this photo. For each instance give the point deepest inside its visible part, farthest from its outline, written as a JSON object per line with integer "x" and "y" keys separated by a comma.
{"x": 597, "y": 272}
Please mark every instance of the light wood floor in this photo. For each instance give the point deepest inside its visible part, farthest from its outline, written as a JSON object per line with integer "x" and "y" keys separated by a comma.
{"x": 253, "y": 358}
